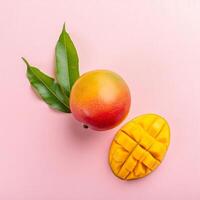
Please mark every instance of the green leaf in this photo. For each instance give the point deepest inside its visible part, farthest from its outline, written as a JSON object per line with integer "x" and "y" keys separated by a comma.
{"x": 47, "y": 89}
{"x": 67, "y": 63}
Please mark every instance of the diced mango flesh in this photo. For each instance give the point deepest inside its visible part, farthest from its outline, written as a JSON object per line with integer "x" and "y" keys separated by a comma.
{"x": 139, "y": 147}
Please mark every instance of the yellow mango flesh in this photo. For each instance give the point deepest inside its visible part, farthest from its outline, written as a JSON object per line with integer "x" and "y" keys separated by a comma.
{"x": 139, "y": 147}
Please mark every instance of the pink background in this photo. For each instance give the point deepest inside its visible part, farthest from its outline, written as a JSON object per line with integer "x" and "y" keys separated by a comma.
{"x": 154, "y": 45}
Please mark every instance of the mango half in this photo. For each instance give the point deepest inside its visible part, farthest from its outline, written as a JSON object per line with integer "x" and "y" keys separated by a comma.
{"x": 139, "y": 147}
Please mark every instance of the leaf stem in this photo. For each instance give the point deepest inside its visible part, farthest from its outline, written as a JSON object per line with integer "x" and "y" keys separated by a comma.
{"x": 85, "y": 126}
{"x": 25, "y": 61}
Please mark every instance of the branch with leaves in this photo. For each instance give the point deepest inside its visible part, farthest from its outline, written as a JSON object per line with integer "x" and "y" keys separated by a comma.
{"x": 56, "y": 92}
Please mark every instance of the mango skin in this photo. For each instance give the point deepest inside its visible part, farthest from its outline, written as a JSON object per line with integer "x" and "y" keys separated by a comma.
{"x": 100, "y": 99}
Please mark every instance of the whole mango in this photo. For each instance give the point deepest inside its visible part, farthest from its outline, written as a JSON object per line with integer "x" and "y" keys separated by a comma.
{"x": 100, "y": 99}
